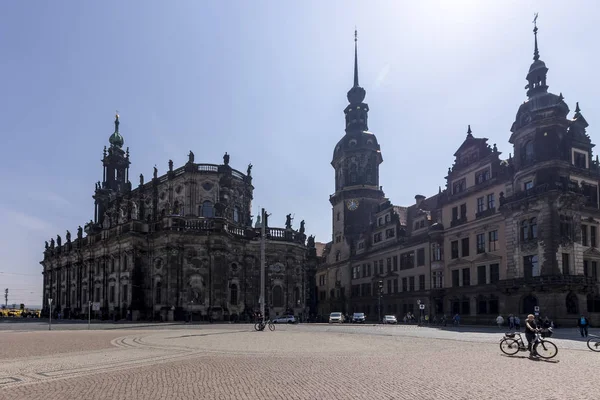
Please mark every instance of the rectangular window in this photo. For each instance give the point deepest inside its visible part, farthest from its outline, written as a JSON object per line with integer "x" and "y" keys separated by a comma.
{"x": 565, "y": 263}
{"x": 389, "y": 264}
{"x": 436, "y": 250}
{"x": 585, "y": 268}
{"x": 482, "y": 176}
{"x": 395, "y": 263}
{"x": 411, "y": 283}
{"x": 579, "y": 160}
{"x": 420, "y": 257}
{"x": 481, "y": 275}
{"x": 459, "y": 186}
{"x": 593, "y": 236}
{"x": 407, "y": 260}
{"x": 404, "y": 284}
{"x": 112, "y": 266}
{"x": 466, "y": 273}
{"x": 595, "y": 270}
{"x": 463, "y": 211}
{"x": 390, "y": 233}
{"x": 125, "y": 293}
{"x": 380, "y": 267}
{"x": 437, "y": 280}
{"x": 454, "y": 213}
{"x": 369, "y": 269}
{"x": 481, "y": 243}
{"x": 395, "y": 285}
{"x": 454, "y": 249}
{"x": 480, "y": 204}
{"x": 493, "y": 240}
{"x": 528, "y": 185}
{"x": 455, "y": 278}
{"x": 465, "y": 247}
{"x": 584, "y": 235}
{"x": 97, "y": 297}
{"x": 421, "y": 282}
{"x": 530, "y": 266}
{"x": 494, "y": 273}
{"x": 389, "y": 287}
{"x": 491, "y": 201}
{"x": 112, "y": 294}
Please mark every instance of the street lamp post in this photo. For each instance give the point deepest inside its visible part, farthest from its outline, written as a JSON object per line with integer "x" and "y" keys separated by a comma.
{"x": 89, "y": 314}
{"x": 50, "y": 315}
{"x": 379, "y": 295}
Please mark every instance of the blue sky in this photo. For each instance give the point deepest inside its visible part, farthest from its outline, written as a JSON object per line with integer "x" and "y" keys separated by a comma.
{"x": 265, "y": 81}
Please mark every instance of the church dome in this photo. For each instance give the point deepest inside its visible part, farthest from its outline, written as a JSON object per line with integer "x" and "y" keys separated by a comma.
{"x": 116, "y": 139}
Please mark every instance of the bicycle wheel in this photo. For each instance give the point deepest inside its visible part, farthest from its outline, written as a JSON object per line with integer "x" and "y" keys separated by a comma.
{"x": 271, "y": 326}
{"x": 545, "y": 349}
{"x": 509, "y": 346}
{"x": 594, "y": 344}
{"x": 259, "y": 326}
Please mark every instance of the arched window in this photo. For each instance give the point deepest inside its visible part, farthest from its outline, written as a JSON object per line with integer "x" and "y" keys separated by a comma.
{"x": 207, "y": 210}
{"x": 353, "y": 173}
{"x": 296, "y": 296}
{"x": 236, "y": 214}
{"x": 572, "y": 303}
{"x": 158, "y": 296}
{"x": 233, "y": 294}
{"x": 529, "y": 304}
{"x": 527, "y": 152}
{"x": 277, "y": 296}
{"x": 176, "y": 208}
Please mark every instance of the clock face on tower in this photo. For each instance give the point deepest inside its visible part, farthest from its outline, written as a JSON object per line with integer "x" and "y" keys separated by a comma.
{"x": 352, "y": 204}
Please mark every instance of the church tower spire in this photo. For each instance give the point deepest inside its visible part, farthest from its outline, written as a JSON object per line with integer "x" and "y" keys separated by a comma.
{"x": 536, "y": 77}
{"x": 357, "y": 111}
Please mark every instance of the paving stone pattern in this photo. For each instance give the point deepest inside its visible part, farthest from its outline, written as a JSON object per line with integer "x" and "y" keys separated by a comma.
{"x": 294, "y": 362}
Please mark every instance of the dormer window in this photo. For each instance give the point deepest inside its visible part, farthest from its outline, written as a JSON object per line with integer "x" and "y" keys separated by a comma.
{"x": 482, "y": 176}
{"x": 369, "y": 141}
{"x": 352, "y": 143}
{"x": 527, "y": 152}
{"x": 579, "y": 159}
{"x": 387, "y": 218}
{"x": 459, "y": 186}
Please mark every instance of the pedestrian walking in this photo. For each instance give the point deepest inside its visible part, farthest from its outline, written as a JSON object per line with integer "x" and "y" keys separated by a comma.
{"x": 583, "y": 325}
{"x": 500, "y": 321}
{"x": 511, "y": 322}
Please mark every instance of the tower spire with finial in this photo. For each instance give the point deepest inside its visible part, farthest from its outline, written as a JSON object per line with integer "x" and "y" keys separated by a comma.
{"x": 355, "y": 57}
{"x": 536, "y": 52}
{"x": 469, "y": 132}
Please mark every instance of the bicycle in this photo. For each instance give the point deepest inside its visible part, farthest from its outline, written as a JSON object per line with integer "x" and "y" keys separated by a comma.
{"x": 261, "y": 325}
{"x": 512, "y": 343}
{"x": 594, "y": 343}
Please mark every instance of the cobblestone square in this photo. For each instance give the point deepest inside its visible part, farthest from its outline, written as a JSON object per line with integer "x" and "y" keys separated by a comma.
{"x": 294, "y": 362}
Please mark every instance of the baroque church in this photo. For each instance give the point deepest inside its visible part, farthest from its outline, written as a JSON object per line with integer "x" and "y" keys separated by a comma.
{"x": 507, "y": 235}
{"x": 180, "y": 246}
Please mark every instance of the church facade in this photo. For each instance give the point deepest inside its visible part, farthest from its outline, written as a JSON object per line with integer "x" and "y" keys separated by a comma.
{"x": 177, "y": 247}
{"x": 514, "y": 235}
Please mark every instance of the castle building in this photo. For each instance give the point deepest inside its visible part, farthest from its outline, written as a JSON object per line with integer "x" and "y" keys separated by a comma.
{"x": 177, "y": 247}
{"x": 506, "y": 236}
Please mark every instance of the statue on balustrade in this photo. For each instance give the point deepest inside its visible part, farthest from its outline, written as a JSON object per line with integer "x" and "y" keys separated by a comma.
{"x": 79, "y": 232}
{"x": 226, "y": 159}
{"x": 141, "y": 179}
{"x": 134, "y": 210}
{"x": 191, "y": 157}
{"x": 46, "y": 245}
{"x": 68, "y": 236}
{"x": 155, "y": 172}
{"x": 170, "y": 165}
{"x": 249, "y": 170}
{"x": 311, "y": 242}
{"x": 51, "y": 243}
{"x": 302, "y": 230}
{"x": 58, "y": 241}
{"x": 288, "y": 221}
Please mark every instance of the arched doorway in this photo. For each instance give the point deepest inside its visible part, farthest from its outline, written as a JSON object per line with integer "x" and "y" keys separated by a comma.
{"x": 529, "y": 304}
{"x": 277, "y": 296}
{"x": 572, "y": 303}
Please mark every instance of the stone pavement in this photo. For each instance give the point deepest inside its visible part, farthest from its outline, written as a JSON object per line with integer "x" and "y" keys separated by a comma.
{"x": 294, "y": 362}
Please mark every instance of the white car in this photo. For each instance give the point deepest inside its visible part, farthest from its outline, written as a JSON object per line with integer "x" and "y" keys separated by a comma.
{"x": 390, "y": 319}
{"x": 285, "y": 319}
{"x": 336, "y": 317}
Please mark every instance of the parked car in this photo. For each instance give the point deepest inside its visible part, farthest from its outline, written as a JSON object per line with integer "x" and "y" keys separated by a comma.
{"x": 336, "y": 317}
{"x": 285, "y": 319}
{"x": 390, "y": 319}
{"x": 358, "y": 318}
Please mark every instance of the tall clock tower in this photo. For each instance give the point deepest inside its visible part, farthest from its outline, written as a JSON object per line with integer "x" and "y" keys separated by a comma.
{"x": 356, "y": 160}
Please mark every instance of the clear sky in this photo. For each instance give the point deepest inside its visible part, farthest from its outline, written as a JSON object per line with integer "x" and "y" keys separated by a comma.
{"x": 265, "y": 81}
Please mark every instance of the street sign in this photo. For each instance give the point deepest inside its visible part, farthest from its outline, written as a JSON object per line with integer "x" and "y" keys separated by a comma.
{"x": 422, "y": 306}
{"x": 536, "y": 309}
{"x": 96, "y": 306}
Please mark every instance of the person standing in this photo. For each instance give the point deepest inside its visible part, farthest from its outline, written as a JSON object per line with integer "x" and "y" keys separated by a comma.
{"x": 583, "y": 325}
{"x": 511, "y": 322}
{"x": 530, "y": 331}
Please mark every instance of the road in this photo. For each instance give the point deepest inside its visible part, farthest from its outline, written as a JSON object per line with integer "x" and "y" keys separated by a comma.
{"x": 314, "y": 361}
